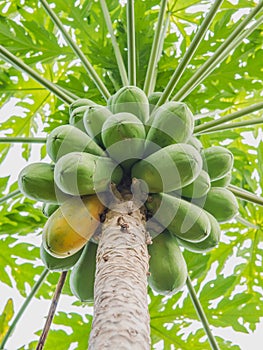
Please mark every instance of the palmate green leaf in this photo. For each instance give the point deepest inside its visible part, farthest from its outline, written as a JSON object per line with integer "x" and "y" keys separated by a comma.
{"x": 5, "y": 317}
{"x": 77, "y": 329}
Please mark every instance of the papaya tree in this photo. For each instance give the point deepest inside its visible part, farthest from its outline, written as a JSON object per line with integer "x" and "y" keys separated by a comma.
{"x": 139, "y": 197}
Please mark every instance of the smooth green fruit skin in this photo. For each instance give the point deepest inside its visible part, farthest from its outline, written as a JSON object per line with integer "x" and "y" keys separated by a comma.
{"x": 219, "y": 202}
{"x": 109, "y": 103}
{"x": 183, "y": 219}
{"x": 93, "y": 119}
{"x": 169, "y": 169}
{"x": 167, "y": 267}
{"x": 217, "y": 161}
{"x": 198, "y": 188}
{"x": 207, "y": 244}
{"x": 58, "y": 264}
{"x": 66, "y": 139}
{"x": 153, "y": 99}
{"x": 80, "y": 173}
{"x": 36, "y": 181}
{"x": 49, "y": 208}
{"x": 131, "y": 99}
{"x": 123, "y": 136}
{"x": 195, "y": 142}
{"x": 77, "y": 110}
{"x": 223, "y": 182}
{"x": 82, "y": 276}
{"x": 171, "y": 123}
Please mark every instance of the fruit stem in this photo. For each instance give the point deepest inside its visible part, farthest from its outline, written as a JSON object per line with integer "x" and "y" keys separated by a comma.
{"x": 86, "y": 63}
{"x": 52, "y": 310}
{"x": 234, "y": 39}
{"x": 24, "y": 306}
{"x": 245, "y": 195}
{"x": 155, "y": 48}
{"x": 200, "y": 312}
{"x": 22, "y": 139}
{"x": 131, "y": 42}
{"x": 189, "y": 53}
{"x": 10, "y": 58}
{"x": 210, "y": 126}
{"x": 8, "y": 196}
{"x": 115, "y": 45}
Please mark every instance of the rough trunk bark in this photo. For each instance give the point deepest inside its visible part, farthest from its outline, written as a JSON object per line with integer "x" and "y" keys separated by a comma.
{"x": 121, "y": 318}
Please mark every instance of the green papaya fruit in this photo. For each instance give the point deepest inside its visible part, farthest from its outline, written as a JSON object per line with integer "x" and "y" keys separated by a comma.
{"x": 36, "y": 181}
{"x": 183, "y": 219}
{"x": 167, "y": 267}
{"x": 223, "y": 182}
{"x": 207, "y": 244}
{"x": 195, "y": 142}
{"x": 123, "y": 136}
{"x": 173, "y": 122}
{"x": 217, "y": 161}
{"x": 82, "y": 276}
{"x": 58, "y": 264}
{"x": 49, "y": 208}
{"x": 77, "y": 110}
{"x": 196, "y": 189}
{"x": 66, "y": 139}
{"x": 93, "y": 119}
{"x": 131, "y": 99}
{"x": 80, "y": 173}
{"x": 153, "y": 99}
{"x": 170, "y": 168}
{"x": 220, "y": 202}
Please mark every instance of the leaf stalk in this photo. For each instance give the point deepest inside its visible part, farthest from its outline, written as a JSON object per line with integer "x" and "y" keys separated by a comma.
{"x": 200, "y": 312}
{"x": 24, "y": 306}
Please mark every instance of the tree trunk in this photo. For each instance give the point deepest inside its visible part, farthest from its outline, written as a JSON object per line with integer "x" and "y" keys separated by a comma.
{"x": 121, "y": 318}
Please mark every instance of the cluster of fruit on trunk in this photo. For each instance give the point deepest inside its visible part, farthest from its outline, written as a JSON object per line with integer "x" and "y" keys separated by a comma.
{"x": 130, "y": 138}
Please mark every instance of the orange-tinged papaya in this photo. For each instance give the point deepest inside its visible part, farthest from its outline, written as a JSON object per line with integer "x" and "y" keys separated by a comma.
{"x": 71, "y": 226}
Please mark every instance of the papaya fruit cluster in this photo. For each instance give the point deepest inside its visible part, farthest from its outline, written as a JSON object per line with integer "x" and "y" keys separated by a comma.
{"x": 185, "y": 185}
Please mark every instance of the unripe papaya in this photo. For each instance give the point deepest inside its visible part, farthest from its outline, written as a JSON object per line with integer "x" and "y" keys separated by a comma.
{"x": 36, "y": 181}
{"x": 80, "y": 173}
{"x": 49, "y": 208}
{"x": 77, "y": 110}
{"x": 217, "y": 161}
{"x": 82, "y": 276}
{"x": 183, "y": 219}
{"x": 170, "y": 168}
{"x": 171, "y": 123}
{"x": 167, "y": 267}
{"x": 93, "y": 119}
{"x": 197, "y": 144}
{"x": 58, "y": 264}
{"x": 223, "y": 182}
{"x": 153, "y": 99}
{"x": 131, "y": 99}
{"x": 196, "y": 189}
{"x": 220, "y": 202}
{"x": 207, "y": 244}
{"x": 66, "y": 139}
{"x": 123, "y": 136}
{"x": 71, "y": 226}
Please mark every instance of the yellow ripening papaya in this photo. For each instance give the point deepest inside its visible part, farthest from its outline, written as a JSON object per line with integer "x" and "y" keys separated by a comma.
{"x": 72, "y": 225}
